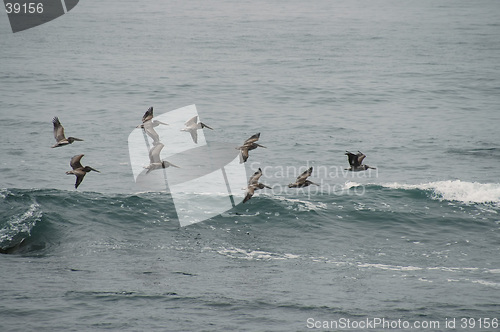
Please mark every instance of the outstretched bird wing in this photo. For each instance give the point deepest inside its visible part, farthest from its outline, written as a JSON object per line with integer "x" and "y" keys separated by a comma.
{"x": 254, "y": 179}
{"x": 192, "y": 121}
{"x": 360, "y": 157}
{"x": 302, "y": 177}
{"x": 151, "y": 132}
{"x": 58, "y": 129}
{"x": 75, "y": 162}
{"x": 353, "y": 159}
{"x": 80, "y": 174}
{"x": 194, "y": 135}
{"x": 244, "y": 154}
{"x": 252, "y": 139}
{"x": 154, "y": 153}
{"x": 148, "y": 115}
{"x": 249, "y": 193}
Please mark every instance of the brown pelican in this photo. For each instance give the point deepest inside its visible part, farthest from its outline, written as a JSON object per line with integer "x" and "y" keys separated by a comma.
{"x": 147, "y": 120}
{"x": 356, "y": 162}
{"x": 59, "y": 134}
{"x": 79, "y": 170}
{"x": 155, "y": 161}
{"x": 302, "y": 180}
{"x": 254, "y": 184}
{"x": 248, "y": 145}
{"x": 192, "y": 126}
{"x": 148, "y": 124}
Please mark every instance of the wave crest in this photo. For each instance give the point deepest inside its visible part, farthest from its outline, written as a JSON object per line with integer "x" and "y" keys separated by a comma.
{"x": 456, "y": 190}
{"x": 19, "y": 227}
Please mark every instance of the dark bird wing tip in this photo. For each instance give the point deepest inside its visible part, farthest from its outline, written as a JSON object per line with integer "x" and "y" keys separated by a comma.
{"x": 205, "y": 126}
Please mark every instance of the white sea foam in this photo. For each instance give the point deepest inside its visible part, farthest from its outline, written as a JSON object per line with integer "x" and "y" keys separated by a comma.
{"x": 486, "y": 283}
{"x": 255, "y": 254}
{"x": 457, "y": 190}
{"x": 391, "y": 267}
{"x": 302, "y": 205}
{"x": 22, "y": 223}
{"x": 350, "y": 184}
{"x": 4, "y": 192}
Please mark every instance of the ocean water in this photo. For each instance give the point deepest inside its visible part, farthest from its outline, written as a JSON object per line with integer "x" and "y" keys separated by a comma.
{"x": 413, "y": 85}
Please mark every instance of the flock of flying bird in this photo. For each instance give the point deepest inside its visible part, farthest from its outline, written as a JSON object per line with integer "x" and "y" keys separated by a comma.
{"x": 75, "y": 163}
{"x": 192, "y": 126}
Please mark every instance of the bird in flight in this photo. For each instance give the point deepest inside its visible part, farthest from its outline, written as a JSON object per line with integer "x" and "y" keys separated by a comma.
{"x": 61, "y": 140}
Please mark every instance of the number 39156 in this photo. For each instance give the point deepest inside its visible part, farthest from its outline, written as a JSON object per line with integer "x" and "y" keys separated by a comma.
{"x": 25, "y": 8}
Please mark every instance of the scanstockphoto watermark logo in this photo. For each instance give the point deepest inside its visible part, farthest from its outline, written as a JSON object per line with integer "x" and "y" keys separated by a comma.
{"x": 380, "y": 323}
{"x": 169, "y": 153}
{"x": 327, "y": 179}
{"x": 24, "y": 15}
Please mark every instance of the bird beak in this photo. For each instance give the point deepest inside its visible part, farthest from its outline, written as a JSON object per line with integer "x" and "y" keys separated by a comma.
{"x": 94, "y": 170}
{"x": 262, "y": 146}
{"x": 163, "y": 123}
{"x": 77, "y": 139}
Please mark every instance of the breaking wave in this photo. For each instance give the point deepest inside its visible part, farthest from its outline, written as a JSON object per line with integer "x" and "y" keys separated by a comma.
{"x": 456, "y": 190}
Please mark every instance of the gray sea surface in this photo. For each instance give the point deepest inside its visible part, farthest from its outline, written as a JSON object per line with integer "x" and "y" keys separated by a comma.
{"x": 415, "y": 85}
